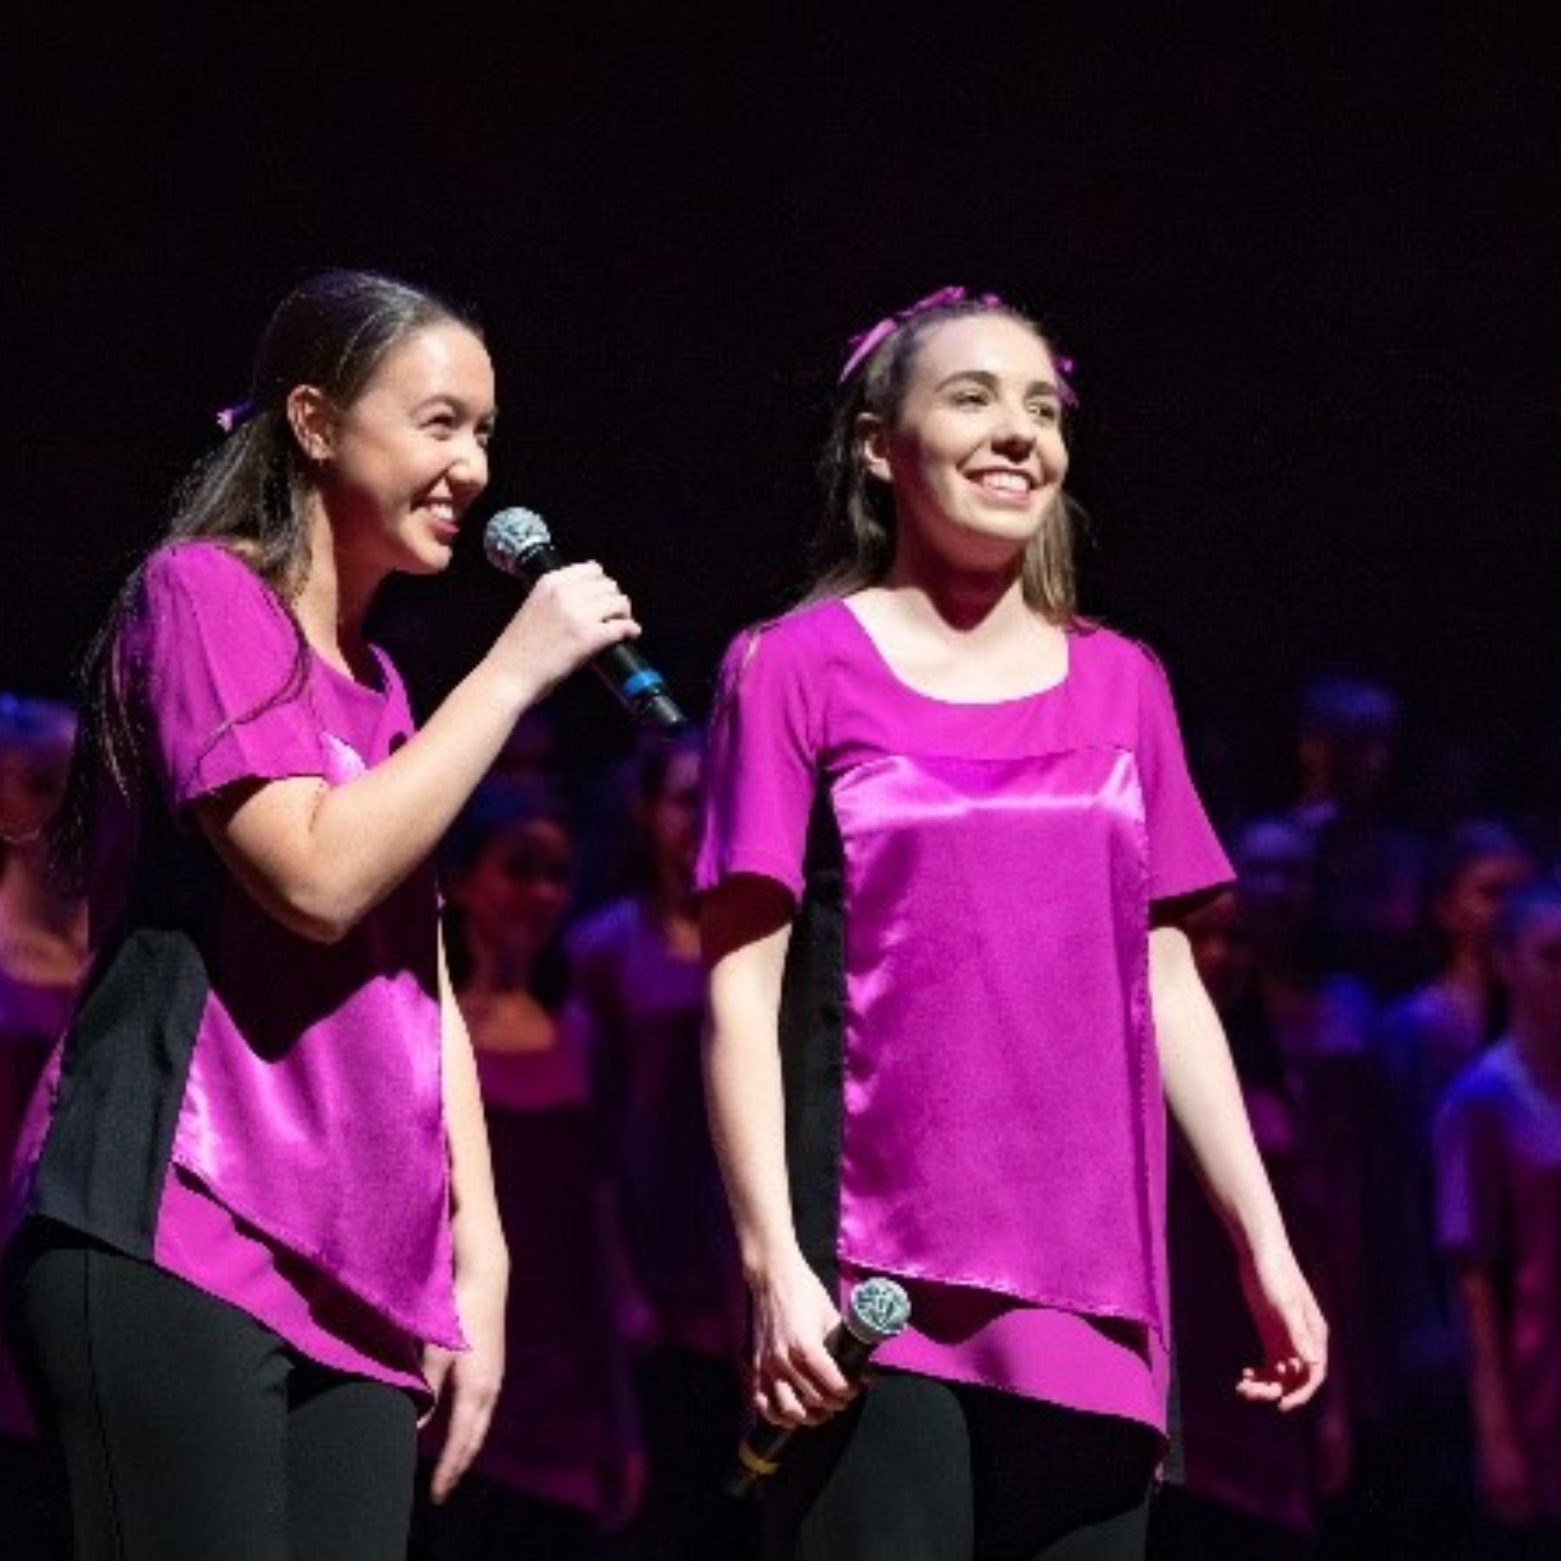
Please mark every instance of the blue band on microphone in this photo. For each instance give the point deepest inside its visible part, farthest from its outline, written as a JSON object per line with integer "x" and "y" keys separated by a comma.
{"x": 637, "y": 684}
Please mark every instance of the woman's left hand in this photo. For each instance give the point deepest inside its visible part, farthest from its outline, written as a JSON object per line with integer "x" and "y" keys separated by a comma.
{"x": 470, "y": 1379}
{"x": 1292, "y": 1329}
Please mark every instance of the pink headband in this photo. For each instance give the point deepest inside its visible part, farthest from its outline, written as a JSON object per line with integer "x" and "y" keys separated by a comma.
{"x": 862, "y": 345}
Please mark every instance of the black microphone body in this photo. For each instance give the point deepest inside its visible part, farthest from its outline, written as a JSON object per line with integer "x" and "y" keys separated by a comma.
{"x": 877, "y": 1310}
{"x": 517, "y": 542}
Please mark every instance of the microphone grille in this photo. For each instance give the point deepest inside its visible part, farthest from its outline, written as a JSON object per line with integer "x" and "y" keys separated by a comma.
{"x": 878, "y": 1309}
{"x": 511, "y": 534}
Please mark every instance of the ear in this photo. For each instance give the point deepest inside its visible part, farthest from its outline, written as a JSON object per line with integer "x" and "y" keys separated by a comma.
{"x": 872, "y": 439}
{"x": 313, "y": 420}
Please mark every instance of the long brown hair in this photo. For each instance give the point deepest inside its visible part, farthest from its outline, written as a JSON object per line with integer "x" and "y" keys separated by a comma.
{"x": 855, "y": 543}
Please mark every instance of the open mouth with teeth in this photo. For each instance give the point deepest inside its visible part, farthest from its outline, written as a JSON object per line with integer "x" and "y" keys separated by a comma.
{"x": 1010, "y": 485}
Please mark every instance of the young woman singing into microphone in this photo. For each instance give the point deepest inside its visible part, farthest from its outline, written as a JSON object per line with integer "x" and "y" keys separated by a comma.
{"x": 258, "y": 1226}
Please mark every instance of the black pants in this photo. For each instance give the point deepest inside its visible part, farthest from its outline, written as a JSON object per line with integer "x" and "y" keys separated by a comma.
{"x": 919, "y": 1470}
{"x": 191, "y": 1432}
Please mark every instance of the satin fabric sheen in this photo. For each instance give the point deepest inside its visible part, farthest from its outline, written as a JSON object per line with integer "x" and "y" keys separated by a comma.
{"x": 930, "y": 1185}
{"x": 311, "y": 1116}
{"x": 1001, "y": 1135}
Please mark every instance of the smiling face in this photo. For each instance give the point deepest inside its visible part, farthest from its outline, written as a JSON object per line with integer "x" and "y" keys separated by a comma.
{"x": 400, "y": 465}
{"x": 975, "y": 455}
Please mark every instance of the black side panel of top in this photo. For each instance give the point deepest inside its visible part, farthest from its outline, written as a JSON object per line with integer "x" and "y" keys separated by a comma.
{"x": 127, "y": 1056}
{"x": 130, "y": 1042}
{"x": 812, "y": 1040}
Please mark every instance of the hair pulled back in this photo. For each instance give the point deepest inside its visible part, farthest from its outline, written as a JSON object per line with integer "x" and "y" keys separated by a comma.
{"x": 856, "y": 540}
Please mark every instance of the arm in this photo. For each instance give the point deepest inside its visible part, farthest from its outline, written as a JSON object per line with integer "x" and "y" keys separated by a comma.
{"x": 745, "y": 925}
{"x": 1502, "y": 1465}
{"x": 1204, "y": 1096}
{"x": 320, "y": 857}
{"x": 481, "y": 1258}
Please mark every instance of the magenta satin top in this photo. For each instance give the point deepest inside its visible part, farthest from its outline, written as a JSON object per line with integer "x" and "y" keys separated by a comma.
{"x": 1002, "y": 1142}
{"x": 309, "y": 1179}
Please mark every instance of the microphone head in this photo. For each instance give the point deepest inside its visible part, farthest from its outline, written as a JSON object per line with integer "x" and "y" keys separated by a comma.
{"x": 512, "y": 536}
{"x": 877, "y": 1310}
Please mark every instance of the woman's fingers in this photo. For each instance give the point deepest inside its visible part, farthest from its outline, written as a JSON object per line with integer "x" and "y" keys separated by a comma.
{"x": 801, "y": 1386}
{"x": 1293, "y": 1331}
{"x": 1289, "y": 1378}
{"x": 796, "y": 1381}
{"x": 781, "y": 1403}
{"x": 1286, "y": 1383}
{"x": 471, "y": 1410}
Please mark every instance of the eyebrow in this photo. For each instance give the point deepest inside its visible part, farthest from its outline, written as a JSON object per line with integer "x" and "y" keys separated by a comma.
{"x": 461, "y": 405}
{"x": 982, "y": 376}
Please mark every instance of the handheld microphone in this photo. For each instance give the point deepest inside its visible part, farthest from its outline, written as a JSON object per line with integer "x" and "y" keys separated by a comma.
{"x": 876, "y": 1311}
{"x": 517, "y": 541}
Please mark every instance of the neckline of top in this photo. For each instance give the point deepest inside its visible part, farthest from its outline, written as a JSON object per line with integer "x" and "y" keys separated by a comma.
{"x": 901, "y": 683}
{"x": 375, "y": 690}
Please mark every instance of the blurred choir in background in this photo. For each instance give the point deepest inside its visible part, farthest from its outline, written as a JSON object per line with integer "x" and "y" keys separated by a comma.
{"x": 1389, "y": 972}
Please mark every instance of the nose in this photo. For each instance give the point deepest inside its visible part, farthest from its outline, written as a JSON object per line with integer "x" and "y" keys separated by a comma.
{"x": 469, "y": 464}
{"x": 1014, "y": 430}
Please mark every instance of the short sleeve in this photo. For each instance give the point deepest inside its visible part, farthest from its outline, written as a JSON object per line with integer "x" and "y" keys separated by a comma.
{"x": 1466, "y": 1156}
{"x": 213, "y": 658}
{"x": 760, "y": 765}
{"x": 1185, "y": 855}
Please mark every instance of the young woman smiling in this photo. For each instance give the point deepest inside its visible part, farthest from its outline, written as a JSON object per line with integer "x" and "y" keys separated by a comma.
{"x": 258, "y": 1226}
{"x": 949, "y": 841}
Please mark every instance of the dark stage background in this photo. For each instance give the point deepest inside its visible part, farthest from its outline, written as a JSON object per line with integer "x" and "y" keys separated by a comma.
{"x": 1305, "y": 255}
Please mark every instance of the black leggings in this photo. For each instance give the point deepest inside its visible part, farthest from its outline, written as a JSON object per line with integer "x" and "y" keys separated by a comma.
{"x": 192, "y": 1432}
{"x": 921, "y": 1470}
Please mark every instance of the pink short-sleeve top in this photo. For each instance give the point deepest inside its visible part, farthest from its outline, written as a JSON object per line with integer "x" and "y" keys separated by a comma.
{"x": 254, "y": 1111}
{"x": 973, "y": 1092}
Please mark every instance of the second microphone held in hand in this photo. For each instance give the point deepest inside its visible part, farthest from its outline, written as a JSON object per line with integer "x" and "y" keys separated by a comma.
{"x": 876, "y": 1311}
{"x": 517, "y": 541}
